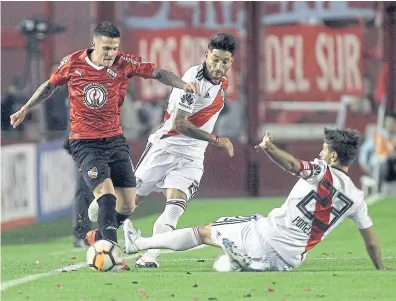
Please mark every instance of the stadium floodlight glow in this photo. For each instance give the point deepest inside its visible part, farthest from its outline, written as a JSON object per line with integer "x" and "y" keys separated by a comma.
{"x": 39, "y": 28}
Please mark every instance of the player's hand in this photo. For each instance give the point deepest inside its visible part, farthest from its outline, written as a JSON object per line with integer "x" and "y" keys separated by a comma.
{"x": 18, "y": 117}
{"x": 266, "y": 143}
{"x": 226, "y": 143}
{"x": 191, "y": 88}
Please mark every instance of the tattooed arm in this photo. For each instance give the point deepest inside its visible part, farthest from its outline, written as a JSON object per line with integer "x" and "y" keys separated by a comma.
{"x": 41, "y": 94}
{"x": 182, "y": 125}
{"x": 170, "y": 79}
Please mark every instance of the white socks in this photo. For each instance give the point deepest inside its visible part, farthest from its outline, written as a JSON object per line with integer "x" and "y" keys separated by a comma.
{"x": 167, "y": 221}
{"x": 178, "y": 240}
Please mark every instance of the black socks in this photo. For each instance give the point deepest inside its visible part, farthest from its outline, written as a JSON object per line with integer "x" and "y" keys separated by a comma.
{"x": 107, "y": 219}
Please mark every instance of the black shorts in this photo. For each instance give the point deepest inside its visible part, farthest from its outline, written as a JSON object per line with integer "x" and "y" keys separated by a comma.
{"x": 102, "y": 158}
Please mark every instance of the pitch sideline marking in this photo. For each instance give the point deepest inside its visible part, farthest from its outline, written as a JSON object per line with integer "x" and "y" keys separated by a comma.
{"x": 74, "y": 267}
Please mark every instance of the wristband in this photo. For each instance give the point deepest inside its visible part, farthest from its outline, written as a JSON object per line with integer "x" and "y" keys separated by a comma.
{"x": 216, "y": 140}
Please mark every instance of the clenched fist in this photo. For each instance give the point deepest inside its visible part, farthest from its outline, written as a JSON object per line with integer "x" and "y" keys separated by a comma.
{"x": 18, "y": 117}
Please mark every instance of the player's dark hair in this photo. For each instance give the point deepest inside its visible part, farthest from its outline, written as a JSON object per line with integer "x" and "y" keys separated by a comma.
{"x": 107, "y": 29}
{"x": 345, "y": 143}
{"x": 224, "y": 42}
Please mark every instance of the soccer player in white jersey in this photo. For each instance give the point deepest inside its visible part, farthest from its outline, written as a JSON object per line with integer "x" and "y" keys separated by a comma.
{"x": 173, "y": 159}
{"x": 321, "y": 199}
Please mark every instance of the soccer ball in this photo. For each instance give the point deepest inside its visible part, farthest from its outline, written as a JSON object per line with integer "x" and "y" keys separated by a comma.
{"x": 226, "y": 264}
{"x": 104, "y": 256}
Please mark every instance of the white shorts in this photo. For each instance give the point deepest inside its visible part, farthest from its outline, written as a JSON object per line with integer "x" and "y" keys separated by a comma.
{"x": 158, "y": 170}
{"x": 239, "y": 239}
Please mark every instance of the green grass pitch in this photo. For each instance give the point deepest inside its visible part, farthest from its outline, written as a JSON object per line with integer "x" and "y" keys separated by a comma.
{"x": 338, "y": 269}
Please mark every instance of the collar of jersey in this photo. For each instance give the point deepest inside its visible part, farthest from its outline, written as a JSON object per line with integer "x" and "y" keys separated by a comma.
{"x": 343, "y": 171}
{"x": 85, "y": 57}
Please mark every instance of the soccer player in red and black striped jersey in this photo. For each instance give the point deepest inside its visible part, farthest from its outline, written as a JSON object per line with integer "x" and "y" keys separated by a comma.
{"x": 97, "y": 81}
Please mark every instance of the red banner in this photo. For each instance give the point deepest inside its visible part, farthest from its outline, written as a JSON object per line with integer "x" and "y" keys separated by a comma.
{"x": 312, "y": 63}
{"x": 175, "y": 50}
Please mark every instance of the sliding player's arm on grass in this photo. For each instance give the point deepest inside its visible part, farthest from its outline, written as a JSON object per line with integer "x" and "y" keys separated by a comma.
{"x": 365, "y": 225}
{"x": 373, "y": 247}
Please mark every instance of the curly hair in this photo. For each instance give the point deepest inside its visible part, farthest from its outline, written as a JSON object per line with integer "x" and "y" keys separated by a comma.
{"x": 345, "y": 143}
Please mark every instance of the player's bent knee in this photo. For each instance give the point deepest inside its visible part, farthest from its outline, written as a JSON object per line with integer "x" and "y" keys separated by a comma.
{"x": 173, "y": 193}
{"x": 205, "y": 232}
{"x": 126, "y": 200}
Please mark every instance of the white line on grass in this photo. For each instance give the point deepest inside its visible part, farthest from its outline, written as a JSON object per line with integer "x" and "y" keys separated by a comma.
{"x": 11, "y": 283}
{"x": 74, "y": 267}
{"x": 308, "y": 258}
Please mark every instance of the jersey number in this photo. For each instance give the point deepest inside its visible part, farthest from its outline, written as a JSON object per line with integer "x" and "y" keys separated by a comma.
{"x": 193, "y": 188}
{"x": 333, "y": 213}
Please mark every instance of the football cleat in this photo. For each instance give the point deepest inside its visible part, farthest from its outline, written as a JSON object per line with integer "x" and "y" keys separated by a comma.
{"x": 146, "y": 262}
{"x": 93, "y": 236}
{"x": 236, "y": 255}
{"x": 130, "y": 236}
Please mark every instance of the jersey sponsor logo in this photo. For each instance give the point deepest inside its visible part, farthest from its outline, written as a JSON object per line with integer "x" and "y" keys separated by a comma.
{"x": 94, "y": 95}
{"x": 93, "y": 173}
{"x": 129, "y": 60}
{"x": 187, "y": 100}
{"x": 63, "y": 62}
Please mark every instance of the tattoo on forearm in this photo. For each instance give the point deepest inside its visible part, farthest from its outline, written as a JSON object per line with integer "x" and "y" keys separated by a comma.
{"x": 41, "y": 94}
{"x": 169, "y": 78}
{"x": 187, "y": 128}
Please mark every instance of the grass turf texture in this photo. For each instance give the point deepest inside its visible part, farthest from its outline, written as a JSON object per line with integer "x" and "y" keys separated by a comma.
{"x": 337, "y": 269}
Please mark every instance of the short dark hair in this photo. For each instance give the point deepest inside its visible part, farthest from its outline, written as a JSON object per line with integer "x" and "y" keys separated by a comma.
{"x": 224, "y": 42}
{"x": 344, "y": 142}
{"x": 107, "y": 29}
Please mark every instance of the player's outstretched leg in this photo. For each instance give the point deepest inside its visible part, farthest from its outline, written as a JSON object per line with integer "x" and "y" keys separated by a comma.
{"x": 178, "y": 240}
{"x": 166, "y": 222}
